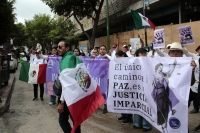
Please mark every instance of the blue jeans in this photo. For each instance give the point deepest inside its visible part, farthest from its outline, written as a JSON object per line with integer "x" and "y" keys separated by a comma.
{"x": 140, "y": 122}
{"x": 53, "y": 99}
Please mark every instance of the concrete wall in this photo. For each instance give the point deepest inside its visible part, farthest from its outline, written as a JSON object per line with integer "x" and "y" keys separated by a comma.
{"x": 171, "y": 35}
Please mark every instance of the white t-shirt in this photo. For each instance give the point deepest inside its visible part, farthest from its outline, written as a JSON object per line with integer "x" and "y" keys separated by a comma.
{"x": 32, "y": 56}
{"x": 129, "y": 54}
{"x": 113, "y": 54}
{"x": 39, "y": 61}
{"x": 150, "y": 54}
{"x": 24, "y": 59}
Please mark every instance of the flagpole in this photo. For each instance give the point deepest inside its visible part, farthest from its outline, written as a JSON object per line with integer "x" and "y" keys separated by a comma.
{"x": 145, "y": 28}
{"x": 107, "y": 25}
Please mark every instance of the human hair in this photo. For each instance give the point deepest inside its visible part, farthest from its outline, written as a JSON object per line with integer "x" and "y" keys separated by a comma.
{"x": 157, "y": 66}
{"x": 78, "y": 50}
{"x": 103, "y": 46}
{"x": 54, "y": 48}
{"x": 66, "y": 43}
{"x": 121, "y": 53}
{"x": 197, "y": 49}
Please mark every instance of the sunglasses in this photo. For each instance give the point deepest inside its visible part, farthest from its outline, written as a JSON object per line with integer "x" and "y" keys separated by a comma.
{"x": 60, "y": 47}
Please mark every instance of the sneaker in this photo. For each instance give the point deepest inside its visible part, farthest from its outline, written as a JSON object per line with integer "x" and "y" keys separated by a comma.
{"x": 135, "y": 127}
{"x": 146, "y": 130}
{"x": 120, "y": 118}
{"x": 126, "y": 122}
{"x": 197, "y": 128}
{"x": 194, "y": 111}
{"x": 50, "y": 103}
{"x": 35, "y": 98}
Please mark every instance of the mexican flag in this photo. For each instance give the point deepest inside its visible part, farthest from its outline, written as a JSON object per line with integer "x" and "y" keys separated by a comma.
{"x": 141, "y": 20}
{"x": 81, "y": 93}
{"x": 33, "y": 73}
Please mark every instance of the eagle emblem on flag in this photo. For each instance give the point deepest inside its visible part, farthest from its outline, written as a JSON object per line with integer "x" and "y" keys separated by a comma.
{"x": 83, "y": 79}
{"x": 33, "y": 73}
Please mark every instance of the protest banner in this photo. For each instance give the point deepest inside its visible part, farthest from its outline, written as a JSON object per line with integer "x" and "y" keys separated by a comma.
{"x": 52, "y": 73}
{"x": 194, "y": 87}
{"x": 159, "y": 39}
{"x": 185, "y": 34}
{"x": 98, "y": 68}
{"x": 135, "y": 44}
{"x": 155, "y": 88}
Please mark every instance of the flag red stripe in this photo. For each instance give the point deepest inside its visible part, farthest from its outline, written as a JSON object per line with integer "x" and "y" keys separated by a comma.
{"x": 151, "y": 24}
{"x": 42, "y": 74}
{"x": 85, "y": 107}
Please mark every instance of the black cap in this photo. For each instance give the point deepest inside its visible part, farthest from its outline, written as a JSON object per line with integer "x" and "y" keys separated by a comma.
{"x": 140, "y": 50}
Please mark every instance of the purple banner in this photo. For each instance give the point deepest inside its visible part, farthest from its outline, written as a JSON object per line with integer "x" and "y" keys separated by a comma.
{"x": 52, "y": 71}
{"x": 186, "y": 36}
{"x": 98, "y": 68}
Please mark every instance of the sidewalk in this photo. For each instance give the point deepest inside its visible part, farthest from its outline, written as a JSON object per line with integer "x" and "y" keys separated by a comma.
{"x": 27, "y": 116}
{"x": 7, "y": 94}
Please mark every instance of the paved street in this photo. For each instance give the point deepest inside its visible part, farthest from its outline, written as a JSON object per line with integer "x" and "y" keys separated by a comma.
{"x": 27, "y": 116}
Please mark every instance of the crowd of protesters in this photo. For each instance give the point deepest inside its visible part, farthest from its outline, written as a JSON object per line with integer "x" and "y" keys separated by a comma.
{"x": 36, "y": 56}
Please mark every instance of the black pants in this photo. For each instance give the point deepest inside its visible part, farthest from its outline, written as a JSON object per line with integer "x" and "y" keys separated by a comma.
{"x": 194, "y": 97}
{"x": 36, "y": 90}
{"x": 64, "y": 123}
{"x": 128, "y": 117}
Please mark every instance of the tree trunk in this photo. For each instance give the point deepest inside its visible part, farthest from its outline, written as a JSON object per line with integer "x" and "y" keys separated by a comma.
{"x": 95, "y": 26}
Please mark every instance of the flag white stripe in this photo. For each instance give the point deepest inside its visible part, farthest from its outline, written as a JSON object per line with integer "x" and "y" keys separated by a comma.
{"x": 71, "y": 89}
{"x": 33, "y": 78}
{"x": 144, "y": 23}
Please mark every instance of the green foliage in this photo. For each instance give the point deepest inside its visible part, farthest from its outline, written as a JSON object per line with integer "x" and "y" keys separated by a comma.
{"x": 18, "y": 34}
{"x": 7, "y": 19}
{"x": 39, "y": 28}
{"x": 46, "y": 30}
{"x": 62, "y": 29}
{"x": 79, "y": 9}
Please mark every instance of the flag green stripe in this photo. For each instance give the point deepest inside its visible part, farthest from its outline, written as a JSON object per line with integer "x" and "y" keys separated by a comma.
{"x": 137, "y": 19}
{"x": 24, "y": 72}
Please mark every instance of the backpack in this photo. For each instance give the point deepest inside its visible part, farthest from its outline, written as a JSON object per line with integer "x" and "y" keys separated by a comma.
{"x": 57, "y": 87}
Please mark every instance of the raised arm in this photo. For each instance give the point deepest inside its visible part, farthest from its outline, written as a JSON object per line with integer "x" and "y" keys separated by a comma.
{"x": 169, "y": 73}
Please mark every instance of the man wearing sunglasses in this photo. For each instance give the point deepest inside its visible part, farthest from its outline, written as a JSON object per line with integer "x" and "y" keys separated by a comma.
{"x": 69, "y": 60}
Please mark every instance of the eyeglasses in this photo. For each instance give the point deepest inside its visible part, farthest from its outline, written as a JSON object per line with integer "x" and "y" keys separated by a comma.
{"x": 60, "y": 47}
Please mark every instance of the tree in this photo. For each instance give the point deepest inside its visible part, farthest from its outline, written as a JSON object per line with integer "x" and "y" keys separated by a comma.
{"x": 46, "y": 30}
{"x": 79, "y": 9}
{"x": 7, "y": 19}
{"x": 18, "y": 34}
{"x": 62, "y": 29}
{"x": 38, "y": 29}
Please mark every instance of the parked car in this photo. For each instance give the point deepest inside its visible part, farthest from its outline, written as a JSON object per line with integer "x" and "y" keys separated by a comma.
{"x": 5, "y": 69}
{"x": 13, "y": 63}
